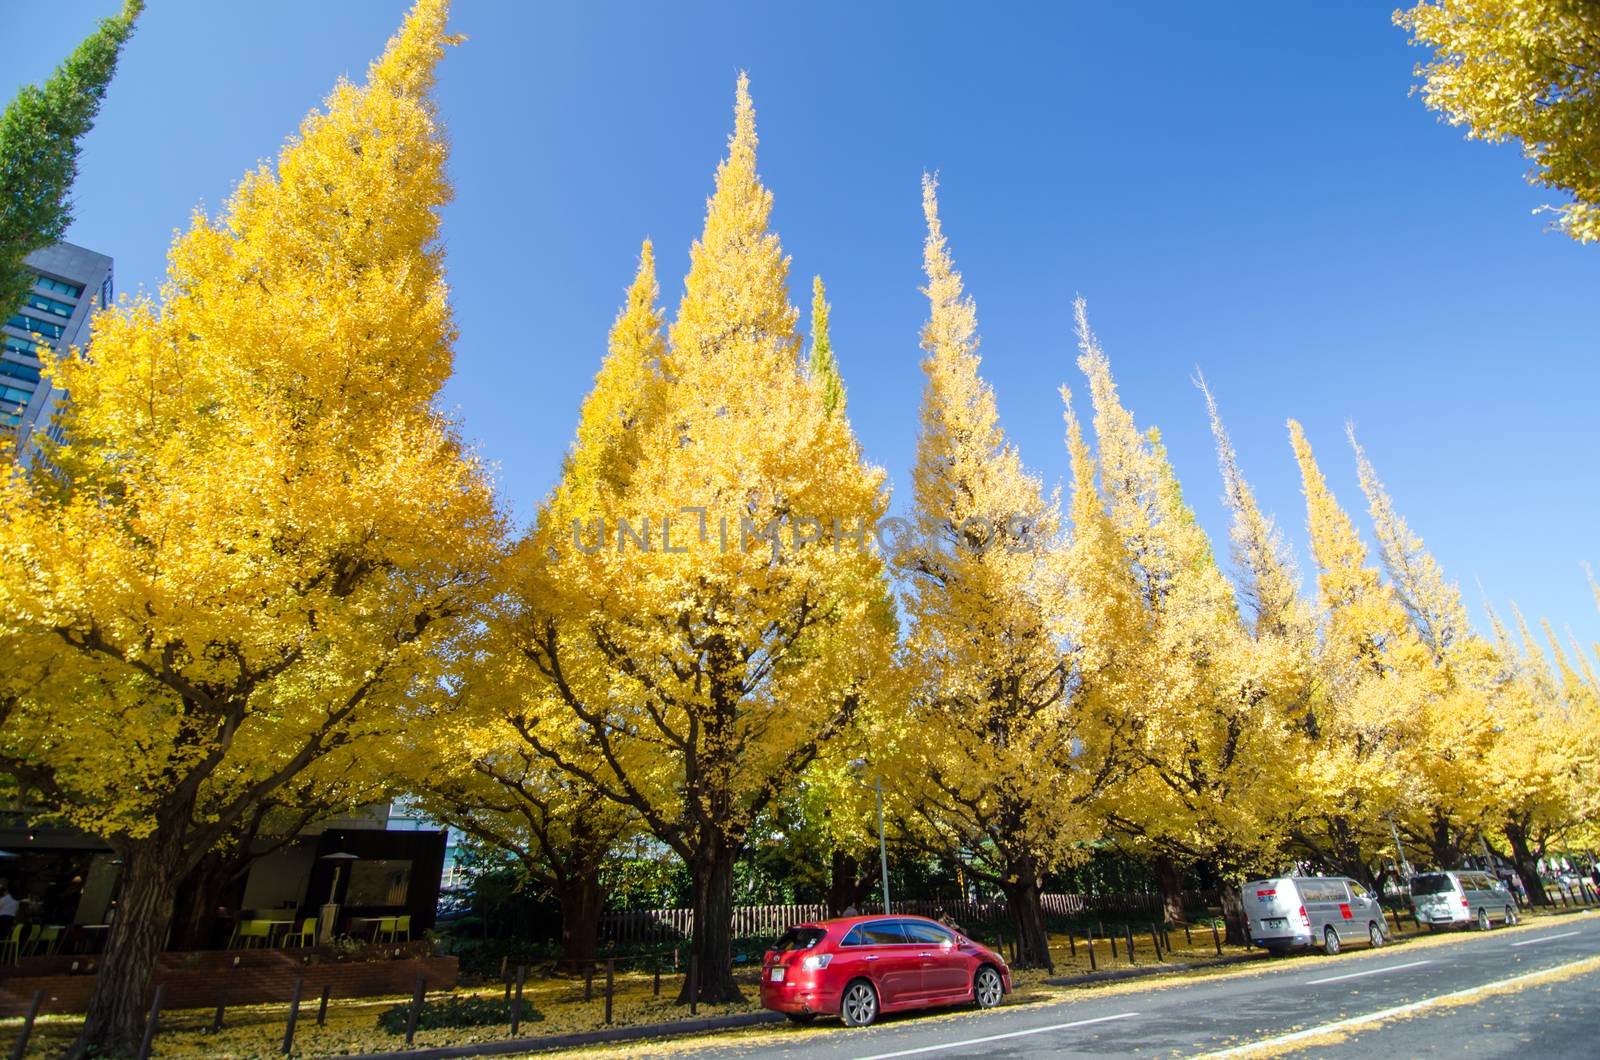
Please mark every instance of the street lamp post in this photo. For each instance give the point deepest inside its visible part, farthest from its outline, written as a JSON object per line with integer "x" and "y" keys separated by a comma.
{"x": 859, "y": 766}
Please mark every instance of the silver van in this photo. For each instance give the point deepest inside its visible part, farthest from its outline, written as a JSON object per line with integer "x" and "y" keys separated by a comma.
{"x": 1295, "y": 912}
{"x": 1461, "y": 896}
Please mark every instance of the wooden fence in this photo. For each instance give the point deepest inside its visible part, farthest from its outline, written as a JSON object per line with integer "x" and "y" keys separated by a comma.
{"x": 632, "y": 928}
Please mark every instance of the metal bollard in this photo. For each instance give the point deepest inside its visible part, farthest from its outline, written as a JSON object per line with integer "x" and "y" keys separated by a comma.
{"x": 655, "y": 987}
{"x": 416, "y": 1008}
{"x": 588, "y": 984}
{"x": 294, "y": 1014}
{"x": 1188, "y": 940}
{"x": 1092, "y": 965}
{"x": 216, "y": 1019}
{"x": 516, "y": 1004}
{"x": 1072, "y": 941}
{"x": 21, "y": 1046}
{"x": 322, "y": 1008}
{"x": 610, "y": 985}
{"x": 150, "y": 1024}
{"x": 1127, "y": 930}
{"x": 1112, "y": 938}
{"x": 1216, "y": 939}
{"x": 1155, "y": 942}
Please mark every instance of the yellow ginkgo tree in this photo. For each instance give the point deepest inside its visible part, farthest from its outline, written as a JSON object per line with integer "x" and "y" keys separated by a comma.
{"x": 700, "y": 607}
{"x": 260, "y": 536}
{"x": 1007, "y": 759}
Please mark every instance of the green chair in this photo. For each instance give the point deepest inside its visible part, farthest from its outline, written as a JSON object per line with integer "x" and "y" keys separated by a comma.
{"x": 402, "y": 927}
{"x": 251, "y": 933}
{"x": 386, "y": 929}
{"x": 306, "y": 936}
{"x": 13, "y": 943}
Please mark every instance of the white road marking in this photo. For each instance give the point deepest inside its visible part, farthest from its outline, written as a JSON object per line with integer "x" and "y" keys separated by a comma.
{"x": 1373, "y": 971}
{"x": 1383, "y": 1014}
{"x": 999, "y": 1037}
{"x": 1546, "y": 938}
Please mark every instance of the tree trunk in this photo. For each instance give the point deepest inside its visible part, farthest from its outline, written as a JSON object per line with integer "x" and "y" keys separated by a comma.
{"x": 581, "y": 899}
{"x": 1233, "y": 914}
{"x": 1443, "y": 845}
{"x": 1170, "y": 882}
{"x": 199, "y": 896}
{"x": 114, "y": 1023}
{"x": 848, "y": 886}
{"x": 1023, "y": 899}
{"x": 712, "y": 872}
{"x": 1526, "y": 863}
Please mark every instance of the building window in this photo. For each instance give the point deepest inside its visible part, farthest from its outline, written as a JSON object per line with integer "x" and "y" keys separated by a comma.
{"x": 19, "y": 371}
{"x": 33, "y": 325}
{"x": 10, "y": 395}
{"x": 379, "y": 882}
{"x": 26, "y": 347}
{"x": 71, "y": 290}
{"x": 50, "y": 305}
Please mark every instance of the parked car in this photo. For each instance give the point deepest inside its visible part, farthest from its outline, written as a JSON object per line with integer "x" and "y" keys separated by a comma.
{"x": 1296, "y": 912}
{"x": 1461, "y": 896}
{"x": 861, "y": 966}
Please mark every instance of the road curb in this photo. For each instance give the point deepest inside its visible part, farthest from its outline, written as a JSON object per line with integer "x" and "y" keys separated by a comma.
{"x": 1153, "y": 969}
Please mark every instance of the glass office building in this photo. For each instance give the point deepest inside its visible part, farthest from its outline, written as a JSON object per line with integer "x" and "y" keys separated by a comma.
{"x": 70, "y": 284}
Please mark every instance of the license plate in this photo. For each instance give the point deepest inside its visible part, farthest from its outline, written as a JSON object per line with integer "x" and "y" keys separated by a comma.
{"x": 1275, "y": 923}
{"x": 775, "y": 975}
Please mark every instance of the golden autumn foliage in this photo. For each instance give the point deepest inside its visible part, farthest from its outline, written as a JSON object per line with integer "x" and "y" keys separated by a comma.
{"x": 263, "y": 577}
{"x": 260, "y": 535}
{"x": 1005, "y": 761}
{"x": 692, "y": 620}
{"x": 1524, "y": 70}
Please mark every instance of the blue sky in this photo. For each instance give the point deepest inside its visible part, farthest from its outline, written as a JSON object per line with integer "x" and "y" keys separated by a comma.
{"x": 1246, "y": 189}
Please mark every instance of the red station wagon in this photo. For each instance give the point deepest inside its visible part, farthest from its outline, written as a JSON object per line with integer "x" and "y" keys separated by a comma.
{"x": 863, "y": 965}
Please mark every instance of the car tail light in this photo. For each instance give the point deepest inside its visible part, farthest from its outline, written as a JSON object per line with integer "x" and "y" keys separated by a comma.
{"x": 1464, "y": 904}
{"x": 816, "y": 961}
{"x": 1303, "y": 918}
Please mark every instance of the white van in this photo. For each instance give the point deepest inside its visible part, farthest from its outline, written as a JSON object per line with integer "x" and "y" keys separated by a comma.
{"x": 1461, "y": 896}
{"x": 1295, "y": 912}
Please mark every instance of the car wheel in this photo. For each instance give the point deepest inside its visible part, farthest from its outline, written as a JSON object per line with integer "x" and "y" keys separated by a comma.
{"x": 987, "y": 989}
{"x": 1511, "y": 914}
{"x": 1330, "y": 941}
{"x": 1375, "y": 935}
{"x": 1483, "y": 920}
{"x": 859, "y": 1006}
{"x": 801, "y": 1018}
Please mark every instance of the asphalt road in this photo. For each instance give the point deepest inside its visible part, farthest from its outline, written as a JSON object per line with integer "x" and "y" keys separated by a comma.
{"x": 1298, "y": 997}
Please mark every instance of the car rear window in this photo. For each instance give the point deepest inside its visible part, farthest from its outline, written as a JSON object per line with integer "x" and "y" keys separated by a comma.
{"x": 921, "y": 931}
{"x": 876, "y": 933}
{"x": 1319, "y": 890}
{"x": 799, "y": 938}
{"x": 1431, "y": 883}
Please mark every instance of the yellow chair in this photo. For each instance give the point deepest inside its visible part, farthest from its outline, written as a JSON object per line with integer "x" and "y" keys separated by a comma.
{"x": 306, "y": 936}
{"x": 386, "y": 929}
{"x": 251, "y": 933}
{"x": 14, "y": 943}
{"x": 46, "y": 940}
{"x": 402, "y": 927}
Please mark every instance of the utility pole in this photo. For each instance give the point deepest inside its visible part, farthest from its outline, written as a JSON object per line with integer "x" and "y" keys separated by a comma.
{"x": 1400, "y": 851}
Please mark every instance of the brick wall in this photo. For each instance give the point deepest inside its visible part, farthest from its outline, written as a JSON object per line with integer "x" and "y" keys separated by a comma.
{"x": 206, "y": 979}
